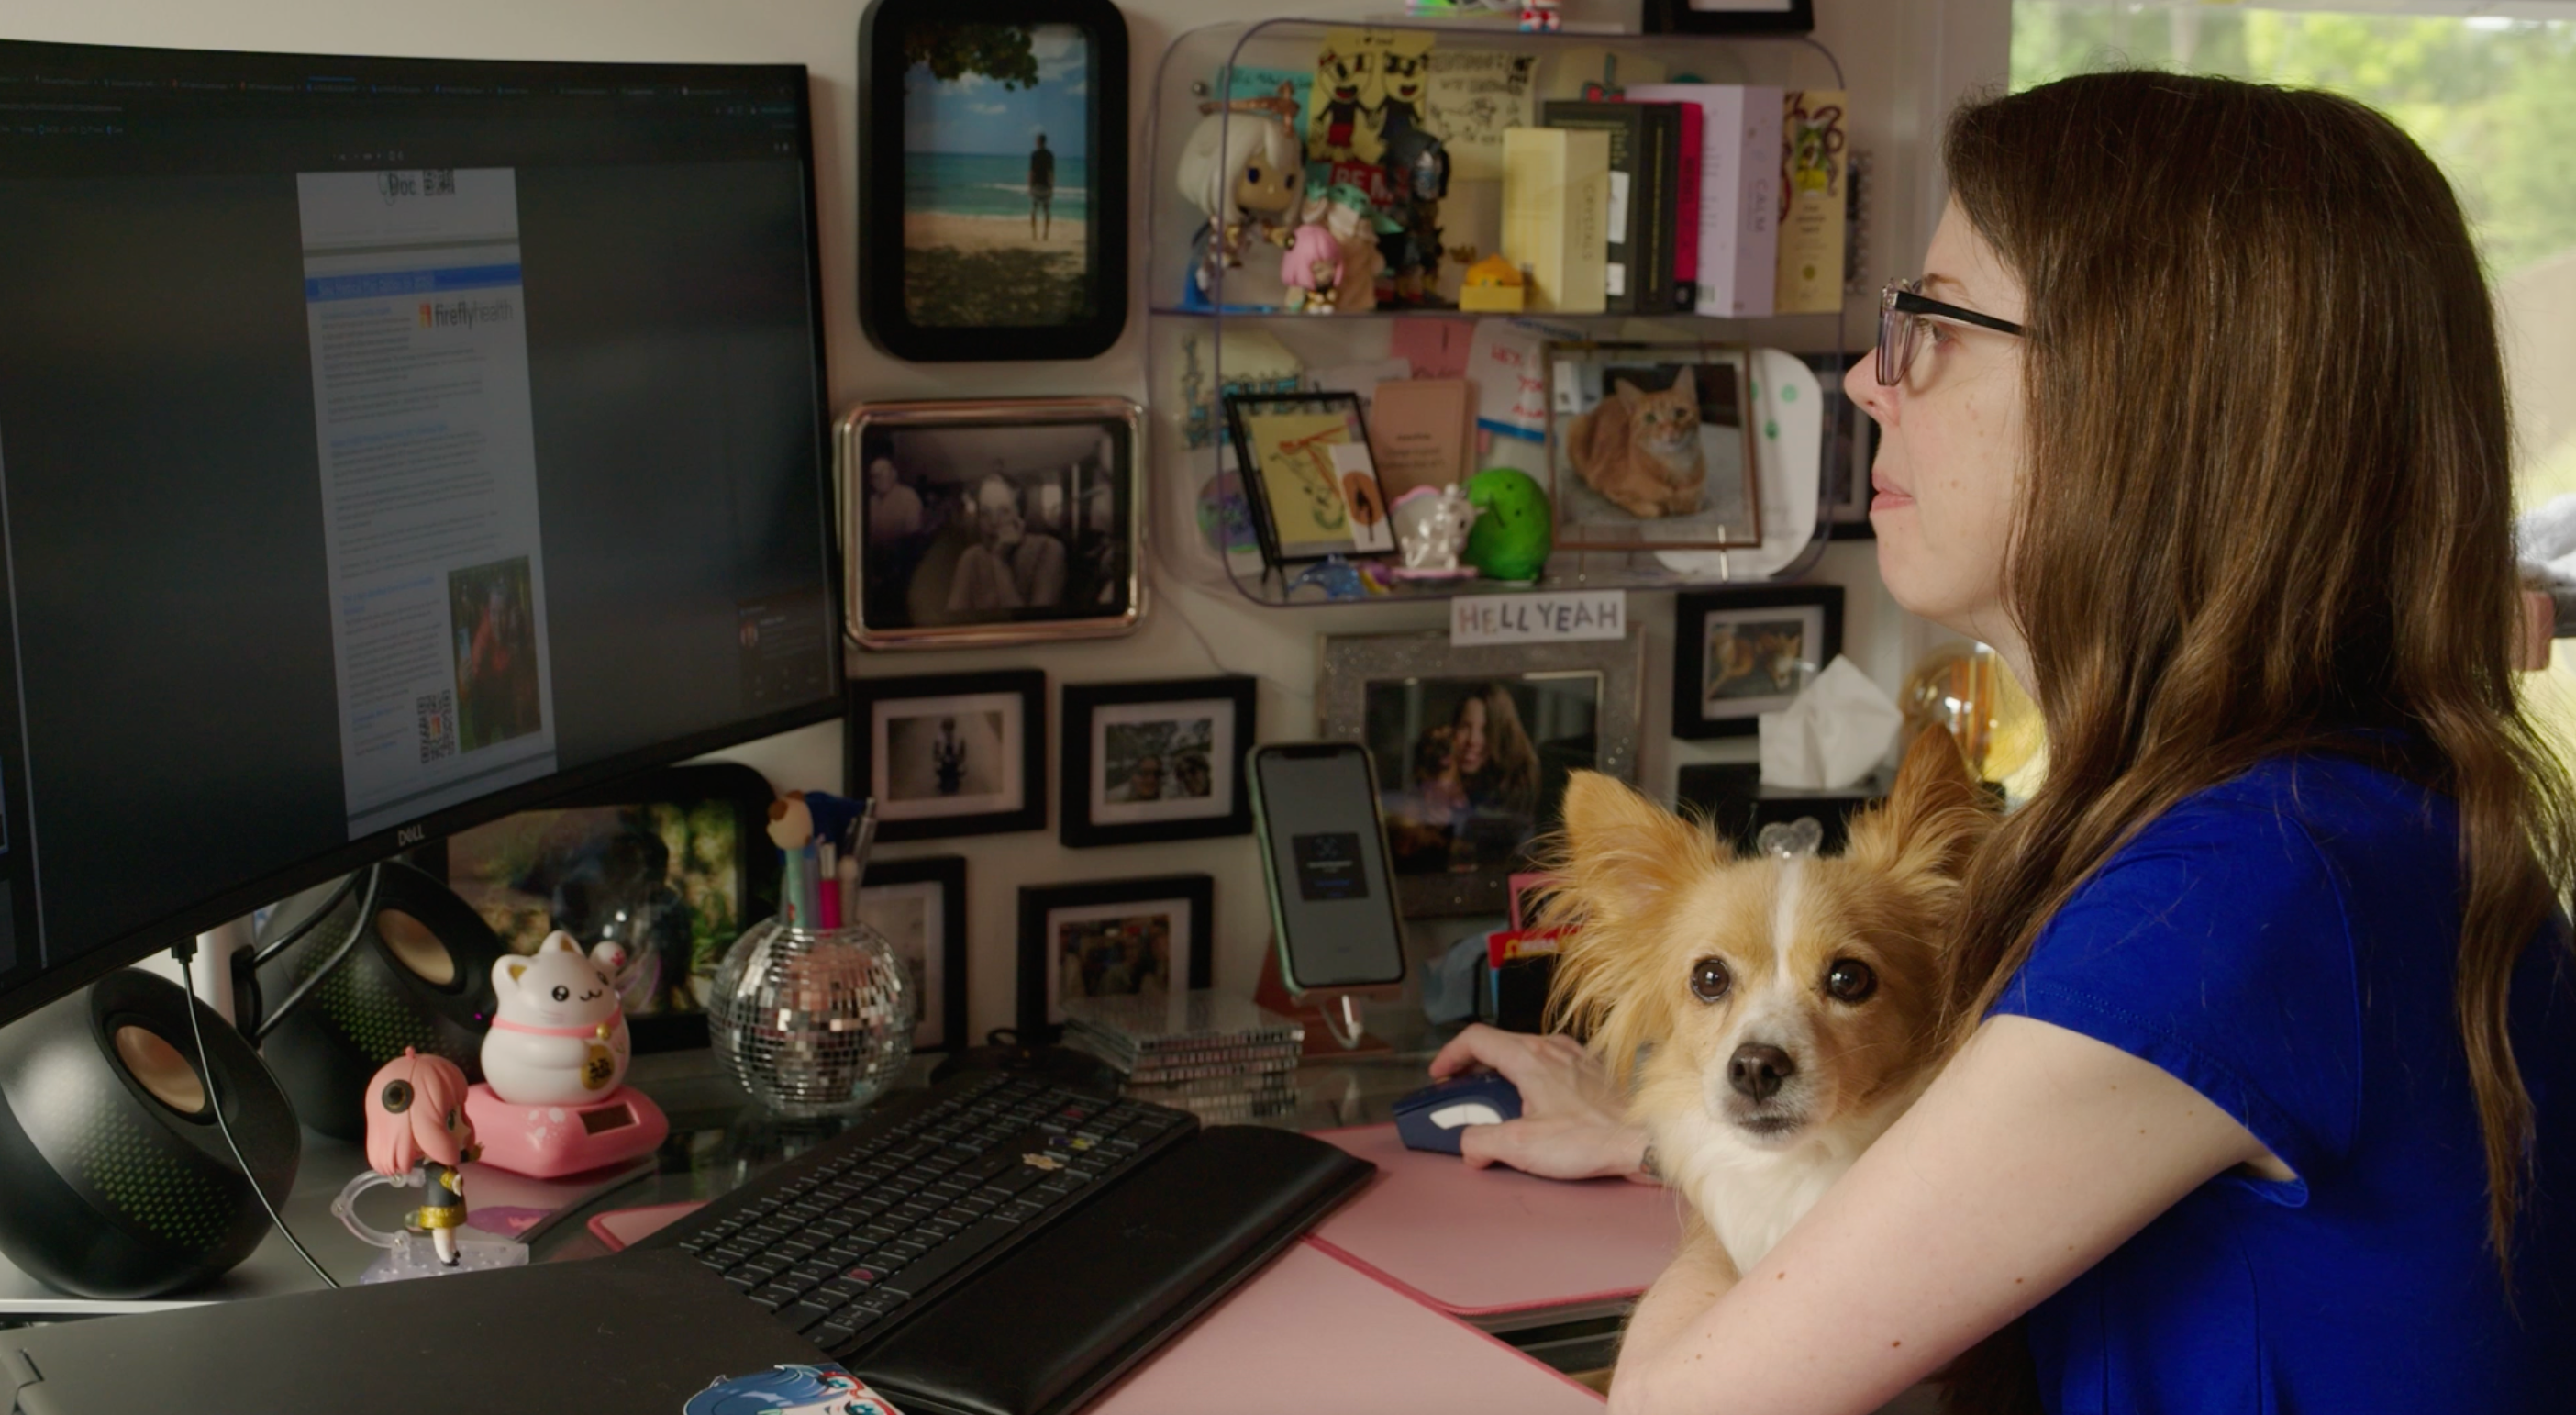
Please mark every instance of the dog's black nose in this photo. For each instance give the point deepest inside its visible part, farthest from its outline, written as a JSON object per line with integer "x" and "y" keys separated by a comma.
{"x": 1757, "y": 1069}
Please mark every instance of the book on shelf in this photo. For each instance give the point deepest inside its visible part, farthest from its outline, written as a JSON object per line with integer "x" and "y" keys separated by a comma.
{"x": 1556, "y": 189}
{"x": 1815, "y": 167}
{"x": 1645, "y": 142}
{"x": 1739, "y": 192}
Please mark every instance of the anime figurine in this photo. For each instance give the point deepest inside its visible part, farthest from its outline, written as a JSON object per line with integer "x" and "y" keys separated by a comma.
{"x": 1356, "y": 223}
{"x": 1242, "y": 169}
{"x": 1312, "y": 270}
{"x": 416, "y": 1120}
{"x": 1417, "y": 170}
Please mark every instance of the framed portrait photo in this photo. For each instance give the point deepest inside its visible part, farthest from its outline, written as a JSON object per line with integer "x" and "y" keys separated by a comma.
{"x": 992, "y": 178}
{"x": 1308, "y": 476}
{"x": 1111, "y": 938}
{"x": 1738, "y": 654}
{"x": 1650, "y": 447}
{"x": 920, "y": 906}
{"x": 991, "y": 522}
{"x": 1472, "y": 748}
{"x": 950, "y": 753}
{"x": 1144, "y": 762}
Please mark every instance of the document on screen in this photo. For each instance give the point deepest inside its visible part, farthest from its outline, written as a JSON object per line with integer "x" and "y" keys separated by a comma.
{"x": 418, "y": 322}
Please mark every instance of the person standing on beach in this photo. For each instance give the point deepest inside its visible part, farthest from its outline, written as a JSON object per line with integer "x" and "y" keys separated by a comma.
{"x": 1042, "y": 191}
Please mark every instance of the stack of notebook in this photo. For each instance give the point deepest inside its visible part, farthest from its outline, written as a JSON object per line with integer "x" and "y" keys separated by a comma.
{"x": 1224, "y": 1059}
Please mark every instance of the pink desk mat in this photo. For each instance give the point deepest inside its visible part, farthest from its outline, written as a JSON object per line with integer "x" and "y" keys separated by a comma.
{"x": 1311, "y": 1333}
{"x": 1486, "y": 1242}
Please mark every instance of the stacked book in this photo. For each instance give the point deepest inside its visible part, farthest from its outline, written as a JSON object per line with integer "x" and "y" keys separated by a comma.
{"x": 1224, "y": 1059}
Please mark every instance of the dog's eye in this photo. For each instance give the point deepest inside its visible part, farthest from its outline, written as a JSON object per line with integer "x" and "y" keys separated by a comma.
{"x": 1850, "y": 980}
{"x": 1710, "y": 980}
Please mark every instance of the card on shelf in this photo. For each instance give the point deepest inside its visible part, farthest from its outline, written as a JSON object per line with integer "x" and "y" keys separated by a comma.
{"x": 1421, "y": 431}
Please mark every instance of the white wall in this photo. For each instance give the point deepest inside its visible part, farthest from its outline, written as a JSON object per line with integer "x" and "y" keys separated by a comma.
{"x": 1903, "y": 60}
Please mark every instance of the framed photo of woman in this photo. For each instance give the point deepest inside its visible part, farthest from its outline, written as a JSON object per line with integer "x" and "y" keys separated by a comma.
{"x": 1472, "y": 748}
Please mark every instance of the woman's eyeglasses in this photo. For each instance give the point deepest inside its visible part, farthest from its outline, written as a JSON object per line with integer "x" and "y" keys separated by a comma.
{"x": 1902, "y": 309}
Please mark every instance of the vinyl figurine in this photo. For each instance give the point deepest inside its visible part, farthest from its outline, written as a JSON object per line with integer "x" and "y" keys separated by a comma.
{"x": 416, "y": 1120}
{"x": 1417, "y": 171}
{"x": 1243, "y": 170}
{"x": 1312, "y": 270}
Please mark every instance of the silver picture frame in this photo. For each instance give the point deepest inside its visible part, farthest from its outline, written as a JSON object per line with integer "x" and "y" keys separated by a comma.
{"x": 1407, "y": 676}
{"x": 991, "y": 521}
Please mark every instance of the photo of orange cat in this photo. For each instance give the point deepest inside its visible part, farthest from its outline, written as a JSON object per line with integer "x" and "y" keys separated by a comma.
{"x": 1641, "y": 450}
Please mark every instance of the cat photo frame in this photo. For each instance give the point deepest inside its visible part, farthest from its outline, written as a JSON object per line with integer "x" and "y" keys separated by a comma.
{"x": 1650, "y": 447}
{"x": 1740, "y": 653}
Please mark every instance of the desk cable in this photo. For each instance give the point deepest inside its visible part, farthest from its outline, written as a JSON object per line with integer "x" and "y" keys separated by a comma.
{"x": 186, "y": 953}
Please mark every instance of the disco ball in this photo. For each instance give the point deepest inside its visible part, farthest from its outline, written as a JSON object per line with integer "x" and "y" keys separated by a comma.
{"x": 812, "y": 1021}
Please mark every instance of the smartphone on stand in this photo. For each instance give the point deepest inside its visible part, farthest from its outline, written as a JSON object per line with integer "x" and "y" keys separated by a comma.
{"x": 1324, "y": 857}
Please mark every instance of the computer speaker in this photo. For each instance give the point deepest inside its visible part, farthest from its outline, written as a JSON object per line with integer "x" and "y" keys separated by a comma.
{"x": 419, "y": 975}
{"x": 117, "y": 1182}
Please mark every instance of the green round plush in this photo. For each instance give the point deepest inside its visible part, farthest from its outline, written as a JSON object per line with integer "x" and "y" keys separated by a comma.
{"x": 1515, "y": 528}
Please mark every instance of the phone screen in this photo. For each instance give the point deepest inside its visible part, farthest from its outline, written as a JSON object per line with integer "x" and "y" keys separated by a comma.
{"x": 1328, "y": 875}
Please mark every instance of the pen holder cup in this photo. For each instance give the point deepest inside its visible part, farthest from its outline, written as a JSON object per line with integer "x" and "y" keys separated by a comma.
{"x": 813, "y": 1022}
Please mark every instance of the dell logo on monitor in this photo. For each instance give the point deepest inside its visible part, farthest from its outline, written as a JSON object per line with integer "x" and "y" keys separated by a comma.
{"x": 410, "y": 835}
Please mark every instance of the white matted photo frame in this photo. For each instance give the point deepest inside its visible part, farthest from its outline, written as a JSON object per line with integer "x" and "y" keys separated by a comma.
{"x": 948, "y": 754}
{"x": 1148, "y": 937}
{"x": 1472, "y": 748}
{"x": 1146, "y": 762}
{"x": 1738, "y": 654}
{"x": 920, "y": 906}
{"x": 991, "y": 521}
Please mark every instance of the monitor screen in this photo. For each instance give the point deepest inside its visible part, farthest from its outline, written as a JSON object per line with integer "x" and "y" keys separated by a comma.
{"x": 385, "y": 445}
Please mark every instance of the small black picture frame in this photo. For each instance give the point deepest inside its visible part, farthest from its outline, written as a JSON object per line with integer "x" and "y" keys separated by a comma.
{"x": 955, "y": 280}
{"x": 1734, "y": 657}
{"x": 1730, "y": 17}
{"x": 1302, "y": 510}
{"x": 949, "y": 754}
{"x": 1147, "y": 762}
{"x": 920, "y": 906}
{"x": 1113, "y": 925}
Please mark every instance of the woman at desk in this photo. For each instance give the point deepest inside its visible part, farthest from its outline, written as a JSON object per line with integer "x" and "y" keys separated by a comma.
{"x": 2265, "y": 1095}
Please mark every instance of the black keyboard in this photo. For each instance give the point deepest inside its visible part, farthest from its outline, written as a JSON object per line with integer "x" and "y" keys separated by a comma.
{"x": 846, "y": 1241}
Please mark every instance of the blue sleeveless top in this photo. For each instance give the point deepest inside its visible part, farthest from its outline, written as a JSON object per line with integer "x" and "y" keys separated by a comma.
{"x": 2285, "y": 943}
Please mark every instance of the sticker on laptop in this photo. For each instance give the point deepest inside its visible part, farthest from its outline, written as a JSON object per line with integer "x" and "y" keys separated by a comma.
{"x": 790, "y": 1390}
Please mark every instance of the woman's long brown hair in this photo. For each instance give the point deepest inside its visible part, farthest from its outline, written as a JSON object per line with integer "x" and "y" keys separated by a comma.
{"x": 2269, "y": 500}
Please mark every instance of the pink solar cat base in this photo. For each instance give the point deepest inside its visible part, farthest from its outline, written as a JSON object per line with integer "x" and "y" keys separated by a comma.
{"x": 552, "y": 1100}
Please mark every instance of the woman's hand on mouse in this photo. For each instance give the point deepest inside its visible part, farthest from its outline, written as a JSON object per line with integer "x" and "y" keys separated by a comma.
{"x": 1572, "y": 1125}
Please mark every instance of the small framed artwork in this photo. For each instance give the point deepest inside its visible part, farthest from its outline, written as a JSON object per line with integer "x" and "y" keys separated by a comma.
{"x": 991, "y": 522}
{"x": 1307, "y": 475}
{"x": 951, "y": 753}
{"x": 992, "y": 178}
{"x": 920, "y": 906}
{"x": 1851, "y": 445}
{"x": 1144, "y": 762}
{"x": 1111, "y": 938}
{"x": 1730, "y": 16}
{"x": 1650, "y": 447}
{"x": 1738, "y": 654}
{"x": 1472, "y": 749}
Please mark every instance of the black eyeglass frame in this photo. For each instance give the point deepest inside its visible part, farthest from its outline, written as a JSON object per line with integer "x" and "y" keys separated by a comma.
{"x": 1898, "y": 303}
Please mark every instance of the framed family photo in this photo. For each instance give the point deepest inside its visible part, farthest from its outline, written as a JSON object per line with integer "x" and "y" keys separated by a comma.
{"x": 1111, "y": 938}
{"x": 993, "y": 178}
{"x": 949, "y": 754}
{"x": 1144, "y": 762}
{"x": 1650, "y": 447}
{"x": 1472, "y": 748}
{"x": 1738, "y": 654}
{"x": 920, "y": 906}
{"x": 992, "y": 521}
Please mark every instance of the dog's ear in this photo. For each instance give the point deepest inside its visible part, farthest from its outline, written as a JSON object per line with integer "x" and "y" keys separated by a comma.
{"x": 1934, "y": 818}
{"x": 1623, "y": 856}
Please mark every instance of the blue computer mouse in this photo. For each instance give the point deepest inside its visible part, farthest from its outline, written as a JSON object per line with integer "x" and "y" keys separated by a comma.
{"x": 1431, "y": 1118}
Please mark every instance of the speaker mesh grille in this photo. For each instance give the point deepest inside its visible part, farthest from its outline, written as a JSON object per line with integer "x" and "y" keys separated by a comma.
{"x": 367, "y": 1008}
{"x": 141, "y": 1174}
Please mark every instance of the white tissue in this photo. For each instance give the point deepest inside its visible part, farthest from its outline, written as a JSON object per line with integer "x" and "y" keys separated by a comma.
{"x": 1837, "y": 732}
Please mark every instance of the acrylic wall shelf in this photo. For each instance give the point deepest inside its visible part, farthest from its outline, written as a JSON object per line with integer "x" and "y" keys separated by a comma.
{"x": 1187, "y": 356}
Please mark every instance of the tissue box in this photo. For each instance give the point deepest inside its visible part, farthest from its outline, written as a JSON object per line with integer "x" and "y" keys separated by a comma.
{"x": 1734, "y": 797}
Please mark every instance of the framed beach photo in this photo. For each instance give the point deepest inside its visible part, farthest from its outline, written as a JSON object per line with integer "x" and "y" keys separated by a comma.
{"x": 1738, "y": 654}
{"x": 949, "y": 754}
{"x": 992, "y": 178}
{"x": 1650, "y": 447}
{"x": 991, "y": 521}
{"x": 1145, "y": 762}
{"x": 920, "y": 906}
{"x": 1308, "y": 476}
{"x": 1472, "y": 748}
{"x": 1111, "y": 938}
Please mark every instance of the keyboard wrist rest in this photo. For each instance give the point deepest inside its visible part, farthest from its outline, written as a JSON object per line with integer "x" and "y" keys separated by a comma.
{"x": 1053, "y": 1323}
